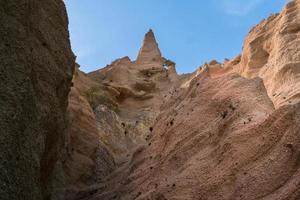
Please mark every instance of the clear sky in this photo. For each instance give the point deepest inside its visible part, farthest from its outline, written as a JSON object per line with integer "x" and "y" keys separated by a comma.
{"x": 189, "y": 32}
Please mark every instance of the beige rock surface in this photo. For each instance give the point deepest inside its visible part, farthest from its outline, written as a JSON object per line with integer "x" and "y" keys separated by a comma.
{"x": 114, "y": 109}
{"x": 271, "y": 51}
{"x": 227, "y": 131}
{"x": 149, "y": 51}
{"x": 88, "y": 159}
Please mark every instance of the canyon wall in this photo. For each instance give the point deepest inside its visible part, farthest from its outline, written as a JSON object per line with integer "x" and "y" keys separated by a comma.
{"x": 135, "y": 129}
{"x": 35, "y": 74}
{"x": 112, "y": 111}
{"x": 226, "y": 131}
{"x": 271, "y": 51}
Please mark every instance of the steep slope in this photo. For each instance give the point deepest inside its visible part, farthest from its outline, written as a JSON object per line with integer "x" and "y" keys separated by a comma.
{"x": 227, "y": 131}
{"x": 35, "y": 75}
{"x": 215, "y": 145}
{"x": 88, "y": 159}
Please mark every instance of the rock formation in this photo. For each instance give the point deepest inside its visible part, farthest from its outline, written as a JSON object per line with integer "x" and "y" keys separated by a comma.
{"x": 149, "y": 51}
{"x": 271, "y": 52}
{"x": 137, "y": 129}
{"x": 112, "y": 111}
{"x": 35, "y": 75}
{"x": 227, "y": 131}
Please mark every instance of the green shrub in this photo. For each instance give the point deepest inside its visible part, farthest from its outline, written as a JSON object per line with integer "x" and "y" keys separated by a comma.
{"x": 97, "y": 96}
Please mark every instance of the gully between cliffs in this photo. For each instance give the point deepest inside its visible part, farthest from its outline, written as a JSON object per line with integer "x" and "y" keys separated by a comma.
{"x": 135, "y": 129}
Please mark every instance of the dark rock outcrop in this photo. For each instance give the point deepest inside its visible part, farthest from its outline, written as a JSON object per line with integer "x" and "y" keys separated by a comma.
{"x": 35, "y": 76}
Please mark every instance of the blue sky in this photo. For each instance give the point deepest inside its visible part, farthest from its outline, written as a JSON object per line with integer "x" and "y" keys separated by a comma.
{"x": 189, "y": 32}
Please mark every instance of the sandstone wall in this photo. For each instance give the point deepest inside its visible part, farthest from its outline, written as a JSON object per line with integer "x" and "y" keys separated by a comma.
{"x": 271, "y": 51}
{"x": 227, "y": 131}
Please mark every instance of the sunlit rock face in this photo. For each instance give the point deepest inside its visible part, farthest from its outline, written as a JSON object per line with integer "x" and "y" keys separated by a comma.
{"x": 226, "y": 131}
{"x": 271, "y": 51}
{"x": 149, "y": 51}
{"x": 35, "y": 78}
{"x": 112, "y": 111}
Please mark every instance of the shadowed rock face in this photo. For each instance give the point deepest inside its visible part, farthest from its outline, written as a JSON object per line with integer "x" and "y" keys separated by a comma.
{"x": 88, "y": 160}
{"x": 35, "y": 75}
{"x": 227, "y": 131}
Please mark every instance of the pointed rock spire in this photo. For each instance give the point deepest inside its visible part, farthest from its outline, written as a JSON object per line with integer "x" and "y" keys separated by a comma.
{"x": 149, "y": 51}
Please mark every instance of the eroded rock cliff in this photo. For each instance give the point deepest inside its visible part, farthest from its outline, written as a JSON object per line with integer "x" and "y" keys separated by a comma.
{"x": 227, "y": 131}
{"x": 271, "y": 51}
{"x": 114, "y": 109}
{"x": 137, "y": 129}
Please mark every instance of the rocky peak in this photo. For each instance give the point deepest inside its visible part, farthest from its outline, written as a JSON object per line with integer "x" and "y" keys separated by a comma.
{"x": 149, "y": 51}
